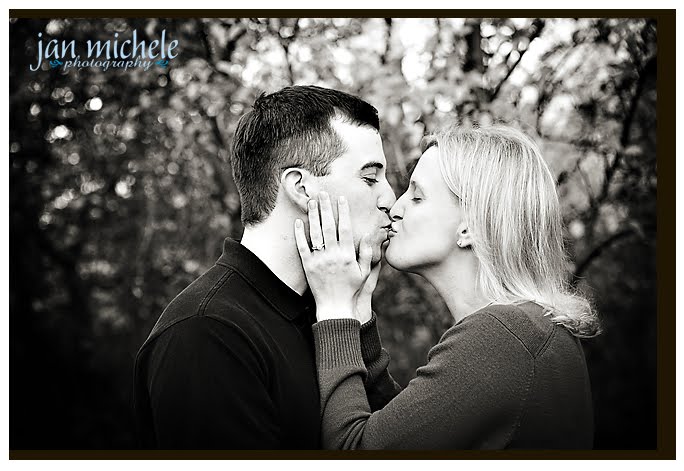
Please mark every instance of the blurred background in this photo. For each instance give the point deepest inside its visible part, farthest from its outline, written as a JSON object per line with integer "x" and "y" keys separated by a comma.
{"x": 121, "y": 193}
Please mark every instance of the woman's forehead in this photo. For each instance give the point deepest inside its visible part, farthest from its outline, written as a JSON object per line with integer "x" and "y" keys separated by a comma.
{"x": 428, "y": 166}
{"x": 427, "y": 175}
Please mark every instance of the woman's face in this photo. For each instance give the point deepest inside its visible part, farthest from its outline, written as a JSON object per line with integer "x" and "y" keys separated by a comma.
{"x": 426, "y": 219}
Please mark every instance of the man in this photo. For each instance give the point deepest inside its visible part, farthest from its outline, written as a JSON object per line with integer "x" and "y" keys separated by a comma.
{"x": 230, "y": 363}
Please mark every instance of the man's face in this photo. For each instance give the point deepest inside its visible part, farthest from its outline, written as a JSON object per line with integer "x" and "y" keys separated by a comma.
{"x": 359, "y": 175}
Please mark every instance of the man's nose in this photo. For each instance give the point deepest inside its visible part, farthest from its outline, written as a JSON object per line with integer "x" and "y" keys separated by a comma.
{"x": 387, "y": 199}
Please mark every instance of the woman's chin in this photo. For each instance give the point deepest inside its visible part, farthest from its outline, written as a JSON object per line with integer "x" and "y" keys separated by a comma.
{"x": 391, "y": 254}
{"x": 396, "y": 257}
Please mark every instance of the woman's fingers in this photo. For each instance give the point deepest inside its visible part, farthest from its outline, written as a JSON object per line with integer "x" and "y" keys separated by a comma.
{"x": 372, "y": 279}
{"x": 315, "y": 225}
{"x": 344, "y": 228}
{"x": 323, "y": 230}
{"x": 327, "y": 220}
{"x": 300, "y": 237}
{"x": 334, "y": 275}
{"x": 365, "y": 255}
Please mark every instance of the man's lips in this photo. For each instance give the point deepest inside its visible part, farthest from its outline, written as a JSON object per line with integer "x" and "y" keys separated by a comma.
{"x": 390, "y": 231}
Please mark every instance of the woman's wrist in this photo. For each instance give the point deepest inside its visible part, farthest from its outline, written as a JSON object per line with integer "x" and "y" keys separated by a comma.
{"x": 363, "y": 314}
{"x": 334, "y": 311}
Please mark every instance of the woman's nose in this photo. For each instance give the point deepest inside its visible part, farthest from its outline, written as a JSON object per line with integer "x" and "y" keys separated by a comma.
{"x": 397, "y": 210}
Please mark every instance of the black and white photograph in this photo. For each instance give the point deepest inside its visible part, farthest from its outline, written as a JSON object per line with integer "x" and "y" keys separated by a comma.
{"x": 348, "y": 233}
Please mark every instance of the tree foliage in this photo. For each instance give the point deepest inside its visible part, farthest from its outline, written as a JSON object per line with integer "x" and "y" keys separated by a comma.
{"x": 121, "y": 192}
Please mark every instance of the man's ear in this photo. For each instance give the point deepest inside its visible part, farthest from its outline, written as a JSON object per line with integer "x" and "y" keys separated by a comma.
{"x": 297, "y": 186}
{"x": 464, "y": 238}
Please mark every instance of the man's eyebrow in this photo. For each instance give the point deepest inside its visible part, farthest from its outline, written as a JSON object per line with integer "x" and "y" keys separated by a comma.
{"x": 377, "y": 165}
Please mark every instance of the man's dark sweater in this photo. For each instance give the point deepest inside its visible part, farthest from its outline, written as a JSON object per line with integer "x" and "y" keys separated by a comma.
{"x": 230, "y": 364}
{"x": 503, "y": 377}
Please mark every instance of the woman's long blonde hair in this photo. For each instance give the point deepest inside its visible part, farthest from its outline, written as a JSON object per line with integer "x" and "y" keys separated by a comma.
{"x": 509, "y": 199}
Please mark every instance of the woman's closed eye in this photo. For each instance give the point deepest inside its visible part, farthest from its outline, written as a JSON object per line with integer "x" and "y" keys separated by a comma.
{"x": 415, "y": 191}
{"x": 371, "y": 180}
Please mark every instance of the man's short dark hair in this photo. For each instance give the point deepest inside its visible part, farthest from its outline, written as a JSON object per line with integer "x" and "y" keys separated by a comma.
{"x": 290, "y": 128}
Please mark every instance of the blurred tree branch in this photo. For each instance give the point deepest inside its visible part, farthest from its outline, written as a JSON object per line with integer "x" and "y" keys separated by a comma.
{"x": 534, "y": 31}
{"x": 597, "y": 251}
{"x": 285, "y": 43}
{"x": 224, "y": 186}
{"x": 388, "y": 41}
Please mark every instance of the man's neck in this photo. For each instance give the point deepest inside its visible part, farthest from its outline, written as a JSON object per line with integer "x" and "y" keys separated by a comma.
{"x": 277, "y": 249}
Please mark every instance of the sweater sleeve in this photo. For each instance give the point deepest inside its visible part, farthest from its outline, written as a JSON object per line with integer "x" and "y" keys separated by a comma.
{"x": 379, "y": 384}
{"x": 471, "y": 393}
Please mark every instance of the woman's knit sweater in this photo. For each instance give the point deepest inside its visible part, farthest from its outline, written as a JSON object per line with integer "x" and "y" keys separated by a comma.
{"x": 505, "y": 376}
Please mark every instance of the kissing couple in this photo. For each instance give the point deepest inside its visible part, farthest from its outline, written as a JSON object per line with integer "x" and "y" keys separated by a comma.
{"x": 276, "y": 346}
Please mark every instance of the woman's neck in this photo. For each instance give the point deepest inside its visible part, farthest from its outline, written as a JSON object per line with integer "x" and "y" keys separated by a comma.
{"x": 455, "y": 279}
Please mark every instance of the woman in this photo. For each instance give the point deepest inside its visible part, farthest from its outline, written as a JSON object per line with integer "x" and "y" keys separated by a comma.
{"x": 481, "y": 222}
